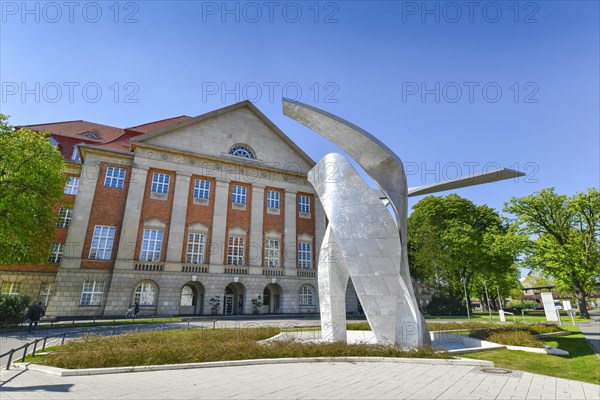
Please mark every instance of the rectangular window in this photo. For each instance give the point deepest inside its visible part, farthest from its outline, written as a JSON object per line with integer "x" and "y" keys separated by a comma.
{"x": 91, "y": 294}
{"x": 56, "y": 252}
{"x": 273, "y": 199}
{"x": 196, "y": 248}
{"x": 46, "y": 292}
{"x": 151, "y": 245}
{"x": 235, "y": 251}
{"x": 11, "y": 288}
{"x": 305, "y": 255}
{"x": 72, "y": 185}
{"x": 75, "y": 156}
{"x": 160, "y": 183}
{"x": 304, "y": 204}
{"x": 272, "y": 253}
{"x": 64, "y": 217}
{"x": 201, "y": 189}
{"x": 238, "y": 194}
{"x": 115, "y": 177}
{"x": 102, "y": 242}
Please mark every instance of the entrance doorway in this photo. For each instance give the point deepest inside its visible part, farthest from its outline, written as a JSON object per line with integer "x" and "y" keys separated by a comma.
{"x": 272, "y": 298}
{"x": 233, "y": 296}
{"x": 191, "y": 299}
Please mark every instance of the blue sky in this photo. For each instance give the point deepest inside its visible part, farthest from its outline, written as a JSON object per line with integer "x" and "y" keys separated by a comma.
{"x": 452, "y": 89}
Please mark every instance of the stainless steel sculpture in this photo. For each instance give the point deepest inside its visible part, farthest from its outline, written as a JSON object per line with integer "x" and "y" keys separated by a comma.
{"x": 368, "y": 246}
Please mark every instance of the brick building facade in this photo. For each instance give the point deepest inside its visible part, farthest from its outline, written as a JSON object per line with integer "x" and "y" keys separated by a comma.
{"x": 177, "y": 212}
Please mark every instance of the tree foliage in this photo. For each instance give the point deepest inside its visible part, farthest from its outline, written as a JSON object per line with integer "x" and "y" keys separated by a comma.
{"x": 564, "y": 238}
{"x": 31, "y": 186}
{"x": 453, "y": 243}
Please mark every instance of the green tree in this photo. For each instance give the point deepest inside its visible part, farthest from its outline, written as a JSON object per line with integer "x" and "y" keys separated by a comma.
{"x": 453, "y": 244}
{"x": 564, "y": 239}
{"x": 31, "y": 187}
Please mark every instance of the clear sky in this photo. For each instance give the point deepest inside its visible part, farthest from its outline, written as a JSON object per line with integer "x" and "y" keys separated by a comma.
{"x": 453, "y": 87}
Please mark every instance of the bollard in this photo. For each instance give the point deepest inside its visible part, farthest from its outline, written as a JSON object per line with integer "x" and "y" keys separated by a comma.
{"x": 25, "y": 352}
{"x": 214, "y": 324}
{"x": 44, "y": 345}
{"x": 10, "y": 356}
{"x": 34, "y": 347}
{"x": 137, "y": 328}
{"x": 63, "y": 339}
{"x": 188, "y": 325}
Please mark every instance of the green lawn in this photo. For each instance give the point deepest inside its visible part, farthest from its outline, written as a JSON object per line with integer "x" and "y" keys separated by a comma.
{"x": 581, "y": 364}
{"x": 532, "y": 316}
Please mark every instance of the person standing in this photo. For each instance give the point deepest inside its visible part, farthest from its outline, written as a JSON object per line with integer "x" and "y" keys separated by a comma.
{"x": 35, "y": 313}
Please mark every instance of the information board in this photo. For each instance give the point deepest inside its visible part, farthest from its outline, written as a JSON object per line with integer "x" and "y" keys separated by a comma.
{"x": 549, "y": 309}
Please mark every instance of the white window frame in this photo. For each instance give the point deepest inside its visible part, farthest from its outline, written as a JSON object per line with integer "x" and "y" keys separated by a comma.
{"x": 91, "y": 293}
{"x": 145, "y": 294}
{"x": 304, "y": 204}
{"x": 304, "y": 255}
{"x": 238, "y": 194}
{"x": 306, "y": 294}
{"x": 102, "y": 242}
{"x": 72, "y": 186}
{"x": 56, "y": 252}
{"x": 160, "y": 183}
{"x": 46, "y": 292}
{"x": 273, "y": 199}
{"x": 75, "y": 156}
{"x": 115, "y": 177}
{"x": 201, "y": 189}
{"x": 236, "y": 247}
{"x": 151, "y": 245}
{"x": 272, "y": 253}
{"x": 196, "y": 248}
{"x": 11, "y": 288}
{"x": 65, "y": 215}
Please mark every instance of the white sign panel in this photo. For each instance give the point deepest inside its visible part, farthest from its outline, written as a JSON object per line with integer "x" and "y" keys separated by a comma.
{"x": 566, "y": 305}
{"x": 549, "y": 308}
{"x": 502, "y": 317}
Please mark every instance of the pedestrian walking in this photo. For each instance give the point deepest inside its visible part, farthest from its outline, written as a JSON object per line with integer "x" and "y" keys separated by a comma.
{"x": 34, "y": 314}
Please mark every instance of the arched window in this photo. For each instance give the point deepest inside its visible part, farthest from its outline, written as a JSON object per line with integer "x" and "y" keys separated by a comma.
{"x": 306, "y": 295}
{"x": 145, "y": 294}
{"x": 242, "y": 151}
{"x": 187, "y": 296}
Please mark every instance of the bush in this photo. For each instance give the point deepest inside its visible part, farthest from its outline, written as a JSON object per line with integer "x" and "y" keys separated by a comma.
{"x": 445, "y": 305}
{"x": 522, "y": 305}
{"x": 13, "y": 309}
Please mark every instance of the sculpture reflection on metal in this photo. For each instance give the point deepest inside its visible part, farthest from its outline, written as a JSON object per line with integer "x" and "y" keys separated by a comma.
{"x": 362, "y": 241}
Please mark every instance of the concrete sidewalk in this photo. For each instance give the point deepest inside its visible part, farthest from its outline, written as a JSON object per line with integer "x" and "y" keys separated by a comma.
{"x": 591, "y": 331}
{"x": 330, "y": 380}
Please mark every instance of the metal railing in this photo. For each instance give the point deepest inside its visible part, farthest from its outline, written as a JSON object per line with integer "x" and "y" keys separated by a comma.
{"x": 25, "y": 347}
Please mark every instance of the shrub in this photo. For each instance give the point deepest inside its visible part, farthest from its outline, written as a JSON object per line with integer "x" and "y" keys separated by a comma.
{"x": 13, "y": 309}
{"x": 523, "y": 305}
{"x": 445, "y": 305}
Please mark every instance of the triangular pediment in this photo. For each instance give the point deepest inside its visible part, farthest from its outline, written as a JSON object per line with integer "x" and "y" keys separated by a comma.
{"x": 216, "y": 132}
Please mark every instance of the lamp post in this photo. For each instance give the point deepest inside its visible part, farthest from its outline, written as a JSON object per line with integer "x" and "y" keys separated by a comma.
{"x": 488, "y": 299}
{"x": 464, "y": 280}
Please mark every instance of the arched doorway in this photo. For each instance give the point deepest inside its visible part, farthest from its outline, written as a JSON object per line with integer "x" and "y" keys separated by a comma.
{"x": 272, "y": 298}
{"x": 233, "y": 299}
{"x": 191, "y": 298}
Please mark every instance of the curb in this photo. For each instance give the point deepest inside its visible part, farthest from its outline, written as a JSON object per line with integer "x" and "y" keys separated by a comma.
{"x": 237, "y": 363}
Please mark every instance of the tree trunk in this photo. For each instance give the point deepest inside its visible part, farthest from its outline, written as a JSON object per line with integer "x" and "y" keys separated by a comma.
{"x": 582, "y": 300}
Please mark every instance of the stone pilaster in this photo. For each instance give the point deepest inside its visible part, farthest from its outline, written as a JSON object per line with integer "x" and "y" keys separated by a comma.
{"x": 289, "y": 246}
{"x": 178, "y": 214}
{"x": 256, "y": 226}
{"x": 131, "y": 218}
{"x": 219, "y": 223}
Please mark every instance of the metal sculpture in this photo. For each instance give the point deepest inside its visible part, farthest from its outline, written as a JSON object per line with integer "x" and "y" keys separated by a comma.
{"x": 367, "y": 251}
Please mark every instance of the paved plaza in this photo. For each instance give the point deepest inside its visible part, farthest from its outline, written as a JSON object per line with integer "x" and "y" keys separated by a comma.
{"x": 325, "y": 380}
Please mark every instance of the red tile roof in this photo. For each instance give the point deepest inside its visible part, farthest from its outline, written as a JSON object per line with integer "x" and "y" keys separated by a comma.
{"x": 152, "y": 126}
{"x": 70, "y": 133}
